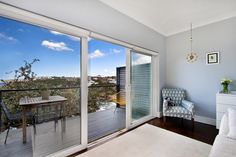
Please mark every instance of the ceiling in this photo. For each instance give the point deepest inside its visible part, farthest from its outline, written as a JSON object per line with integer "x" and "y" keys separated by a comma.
{"x": 169, "y": 17}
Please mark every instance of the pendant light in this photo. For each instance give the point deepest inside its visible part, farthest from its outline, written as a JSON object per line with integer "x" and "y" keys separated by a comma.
{"x": 191, "y": 56}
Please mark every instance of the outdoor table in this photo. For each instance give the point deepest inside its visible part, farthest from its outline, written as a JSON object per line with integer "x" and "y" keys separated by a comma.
{"x": 28, "y": 103}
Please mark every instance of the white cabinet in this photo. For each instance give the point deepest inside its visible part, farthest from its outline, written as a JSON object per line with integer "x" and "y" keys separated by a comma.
{"x": 223, "y": 102}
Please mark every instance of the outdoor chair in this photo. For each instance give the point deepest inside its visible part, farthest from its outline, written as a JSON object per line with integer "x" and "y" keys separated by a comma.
{"x": 12, "y": 118}
{"x": 119, "y": 99}
{"x": 179, "y": 107}
{"x": 47, "y": 116}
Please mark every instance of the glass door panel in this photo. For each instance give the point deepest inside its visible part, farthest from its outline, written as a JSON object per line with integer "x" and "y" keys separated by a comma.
{"x": 40, "y": 68}
{"x": 106, "y": 89}
{"x": 141, "y": 85}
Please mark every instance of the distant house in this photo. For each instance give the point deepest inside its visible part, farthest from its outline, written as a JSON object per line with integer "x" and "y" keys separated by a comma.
{"x": 112, "y": 80}
{"x": 91, "y": 82}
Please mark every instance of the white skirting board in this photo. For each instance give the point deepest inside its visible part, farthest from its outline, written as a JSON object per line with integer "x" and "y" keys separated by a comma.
{"x": 159, "y": 114}
{"x": 205, "y": 120}
{"x": 201, "y": 119}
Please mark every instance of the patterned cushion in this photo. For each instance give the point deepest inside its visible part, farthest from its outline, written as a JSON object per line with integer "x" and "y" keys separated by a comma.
{"x": 178, "y": 111}
{"x": 177, "y": 95}
{"x": 183, "y": 109}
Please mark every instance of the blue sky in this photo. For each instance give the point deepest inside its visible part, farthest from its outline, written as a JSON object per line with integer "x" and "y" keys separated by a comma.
{"x": 59, "y": 53}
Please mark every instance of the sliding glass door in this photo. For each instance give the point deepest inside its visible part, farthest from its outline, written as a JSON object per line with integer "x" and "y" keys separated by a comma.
{"x": 140, "y": 85}
{"x": 106, "y": 89}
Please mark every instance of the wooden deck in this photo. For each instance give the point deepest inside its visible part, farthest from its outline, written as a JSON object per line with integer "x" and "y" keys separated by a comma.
{"x": 47, "y": 140}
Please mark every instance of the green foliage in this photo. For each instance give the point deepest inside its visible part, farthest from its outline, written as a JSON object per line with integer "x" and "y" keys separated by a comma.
{"x": 43, "y": 87}
{"x": 226, "y": 81}
{"x": 24, "y": 73}
{"x": 27, "y": 84}
{"x": 98, "y": 95}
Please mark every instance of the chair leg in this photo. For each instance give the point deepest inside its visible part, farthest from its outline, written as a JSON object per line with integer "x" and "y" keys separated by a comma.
{"x": 55, "y": 125}
{"x": 34, "y": 124}
{"x": 115, "y": 110}
{"x": 34, "y": 129}
{"x": 117, "y": 107}
{"x": 63, "y": 124}
{"x": 7, "y": 135}
{"x": 192, "y": 124}
{"x": 164, "y": 117}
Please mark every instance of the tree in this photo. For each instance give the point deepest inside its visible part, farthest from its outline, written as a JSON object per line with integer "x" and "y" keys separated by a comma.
{"x": 23, "y": 73}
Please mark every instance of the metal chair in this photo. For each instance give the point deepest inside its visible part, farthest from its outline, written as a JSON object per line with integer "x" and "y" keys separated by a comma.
{"x": 48, "y": 116}
{"x": 13, "y": 117}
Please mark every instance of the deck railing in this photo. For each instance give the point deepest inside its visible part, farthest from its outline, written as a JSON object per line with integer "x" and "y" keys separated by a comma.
{"x": 94, "y": 95}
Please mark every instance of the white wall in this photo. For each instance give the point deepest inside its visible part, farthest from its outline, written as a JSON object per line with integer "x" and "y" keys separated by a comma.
{"x": 202, "y": 81}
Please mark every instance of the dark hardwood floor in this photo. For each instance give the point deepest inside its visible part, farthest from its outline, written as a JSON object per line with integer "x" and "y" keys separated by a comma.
{"x": 201, "y": 132}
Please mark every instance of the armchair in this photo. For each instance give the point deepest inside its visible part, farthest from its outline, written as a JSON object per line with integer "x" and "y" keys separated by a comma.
{"x": 182, "y": 109}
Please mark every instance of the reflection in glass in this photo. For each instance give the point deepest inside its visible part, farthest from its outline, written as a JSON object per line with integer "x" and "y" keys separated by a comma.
{"x": 141, "y": 84}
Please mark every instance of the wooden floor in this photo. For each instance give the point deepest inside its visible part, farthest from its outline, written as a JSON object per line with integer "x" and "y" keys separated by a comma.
{"x": 47, "y": 140}
{"x": 105, "y": 122}
{"x": 202, "y": 132}
{"x": 14, "y": 146}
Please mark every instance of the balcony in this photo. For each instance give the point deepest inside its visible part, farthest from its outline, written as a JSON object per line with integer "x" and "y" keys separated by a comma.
{"x": 103, "y": 119}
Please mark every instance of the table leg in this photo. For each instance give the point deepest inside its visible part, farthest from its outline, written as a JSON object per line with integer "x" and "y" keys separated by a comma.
{"x": 63, "y": 117}
{"x": 24, "y": 125}
{"x": 57, "y": 114}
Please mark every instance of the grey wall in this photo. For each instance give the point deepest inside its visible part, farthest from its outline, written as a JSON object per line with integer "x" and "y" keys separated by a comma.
{"x": 202, "y": 81}
{"x": 98, "y": 17}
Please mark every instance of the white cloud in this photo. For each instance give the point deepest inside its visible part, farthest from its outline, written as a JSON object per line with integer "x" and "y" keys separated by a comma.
{"x": 142, "y": 59}
{"x": 116, "y": 51}
{"x": 7, "y": 38}
{"x": 96, "y": 54}
{"x": 113, "y": 73}
{"x": 73, "y": 38}
{"x": 69, "y": 36}
{"x": 57, "y": 46}
{"x": 105, "y": 70}
{"x": 56, "y": 33}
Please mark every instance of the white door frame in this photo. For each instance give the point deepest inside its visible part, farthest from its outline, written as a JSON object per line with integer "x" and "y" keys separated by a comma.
{"x": 154, "y": 90}
{"x": 128, "y": 89}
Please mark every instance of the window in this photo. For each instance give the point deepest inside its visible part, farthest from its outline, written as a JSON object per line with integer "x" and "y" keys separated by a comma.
{"x": 42, "y": 66}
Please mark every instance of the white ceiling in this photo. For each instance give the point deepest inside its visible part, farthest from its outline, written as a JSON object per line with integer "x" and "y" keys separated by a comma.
{"x": 169, "y": 17}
